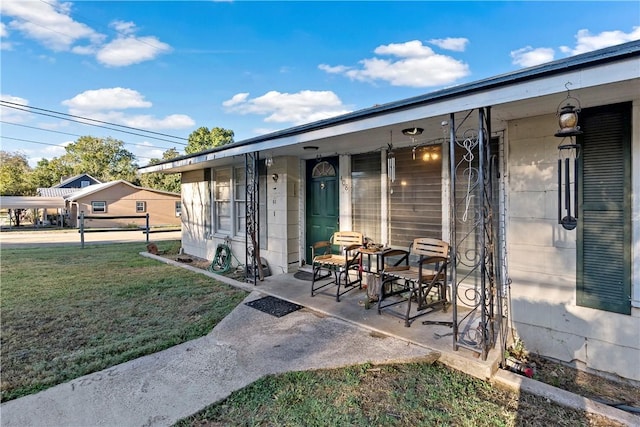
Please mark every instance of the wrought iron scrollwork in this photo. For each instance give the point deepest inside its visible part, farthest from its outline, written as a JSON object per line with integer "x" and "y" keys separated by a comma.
{"x": 477, "y": 311}
{"x": 253, "y": 270}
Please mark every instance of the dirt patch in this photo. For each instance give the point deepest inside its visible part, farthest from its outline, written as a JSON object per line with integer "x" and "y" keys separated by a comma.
{"x": 605, "y": 390}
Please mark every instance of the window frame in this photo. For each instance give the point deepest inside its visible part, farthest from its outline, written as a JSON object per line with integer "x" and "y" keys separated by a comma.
{"x": 228, "y": 195}
{"x": 144, "y": 206}
{"x": 178, "y": 208}
{"x": 94, "y": 204}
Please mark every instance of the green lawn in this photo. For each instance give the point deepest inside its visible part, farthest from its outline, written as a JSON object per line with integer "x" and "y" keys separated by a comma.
{"x": 412, "y": 394}
{"x": 68, "y": 311}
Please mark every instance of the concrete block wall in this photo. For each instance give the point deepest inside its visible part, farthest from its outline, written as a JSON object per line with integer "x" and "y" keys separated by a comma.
{"x": 542, "y": 265}
{"x": 282, "y": 205}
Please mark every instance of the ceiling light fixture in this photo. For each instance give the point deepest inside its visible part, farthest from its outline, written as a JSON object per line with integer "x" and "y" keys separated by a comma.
{"x": 412, "y": 131}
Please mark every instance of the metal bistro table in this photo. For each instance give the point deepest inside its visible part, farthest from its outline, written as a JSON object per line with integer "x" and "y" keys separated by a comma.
{"x": 373, "y": 272}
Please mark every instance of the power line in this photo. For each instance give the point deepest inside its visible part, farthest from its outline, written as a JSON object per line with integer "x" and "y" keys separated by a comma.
{"x": 92, "y": 120}
{"x": 79, "y": 136}
{"x": 55, "y": 145}
{"x": 55, "y": 114}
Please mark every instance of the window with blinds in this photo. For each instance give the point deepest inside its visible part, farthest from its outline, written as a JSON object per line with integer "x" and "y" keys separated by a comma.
{"x": 604, "y": 217}
{"x": 415, "y": 199}
{"x": 366, "y": 194}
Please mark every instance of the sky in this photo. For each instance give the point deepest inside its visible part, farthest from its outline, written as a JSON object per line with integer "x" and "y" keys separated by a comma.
{"x": 149, "y": 73}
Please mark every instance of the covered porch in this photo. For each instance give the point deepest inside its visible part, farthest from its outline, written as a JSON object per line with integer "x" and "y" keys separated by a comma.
{"x": 352, "y": 309}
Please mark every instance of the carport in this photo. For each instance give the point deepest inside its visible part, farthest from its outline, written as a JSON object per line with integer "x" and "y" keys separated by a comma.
{"x": 34, "y": 203}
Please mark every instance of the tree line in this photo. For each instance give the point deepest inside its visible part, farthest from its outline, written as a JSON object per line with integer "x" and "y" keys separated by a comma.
{"x": 105, "y": 159}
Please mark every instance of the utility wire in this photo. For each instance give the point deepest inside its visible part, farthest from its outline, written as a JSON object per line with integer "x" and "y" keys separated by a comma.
{"x": 53, "y": 145}
{"x": 92, "y": 120}
{"x": 83, "y": 120}
{"x": 79, "y": 136}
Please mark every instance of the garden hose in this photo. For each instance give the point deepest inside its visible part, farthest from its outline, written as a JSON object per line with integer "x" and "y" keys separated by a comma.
{"x": 222, "y": 260}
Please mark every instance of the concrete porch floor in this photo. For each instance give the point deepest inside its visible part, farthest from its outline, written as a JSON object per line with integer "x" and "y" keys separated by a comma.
{"x": 351, "y": 309}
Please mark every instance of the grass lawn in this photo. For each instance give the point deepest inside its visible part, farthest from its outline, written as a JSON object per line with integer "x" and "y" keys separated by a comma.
{"x": 67, "y": 311}
{"x": 389, "y": 395}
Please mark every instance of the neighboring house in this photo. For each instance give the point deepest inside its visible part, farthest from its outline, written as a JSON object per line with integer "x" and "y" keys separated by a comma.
{"x": 476, "y": 165}
{"x": 121, "y": 198}
{"x": 65, "y": 187}
{"x": 78, "y": 181}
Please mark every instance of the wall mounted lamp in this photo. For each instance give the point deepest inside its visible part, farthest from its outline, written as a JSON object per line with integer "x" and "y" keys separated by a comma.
{"x": 268, "y": 161}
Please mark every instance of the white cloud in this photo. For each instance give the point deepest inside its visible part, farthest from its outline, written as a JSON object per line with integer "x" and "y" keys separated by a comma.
{"x": 297, "y": 108}
{"x": 528, "y": 56}
{"x": 457, "y": 44}
{"x": 586, "y": 42}
{"x": 238, "y": 98}
{"x": 127, "y": 49}
{"x": 416, "y": 66}
{"x": 123, "y": 27}
{"x": 51, "y": 24}
{"x": 116, "y": 98}
{"x": 13, "y": 113}
{"x": 107, "y": 105}
{"x": 3, "y": 30}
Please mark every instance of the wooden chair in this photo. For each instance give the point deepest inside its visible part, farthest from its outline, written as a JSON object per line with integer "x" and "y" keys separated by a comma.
{"x": 423, "y": 283}
{"x": 340, "y": 265}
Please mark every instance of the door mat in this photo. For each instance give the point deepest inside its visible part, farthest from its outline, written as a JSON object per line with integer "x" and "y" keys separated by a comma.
{"x": 303, "y": 275}
{"x": 274, "y": 306}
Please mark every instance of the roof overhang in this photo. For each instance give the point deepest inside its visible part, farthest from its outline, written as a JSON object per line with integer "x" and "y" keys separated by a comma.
{"x": 24, "y": 202}
{"x": 597, "y": 78}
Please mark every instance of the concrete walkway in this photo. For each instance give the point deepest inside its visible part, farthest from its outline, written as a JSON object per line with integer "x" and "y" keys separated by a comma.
{"x": 160, "y": 389}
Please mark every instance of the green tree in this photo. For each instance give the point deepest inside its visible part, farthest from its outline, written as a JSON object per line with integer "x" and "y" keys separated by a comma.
{"x": 48, "y": 173}
{"x": 102, "y": 158}
{"x": 203, "y": 139}
{"x": 162, "y": 181}
{"x": 15, "y": 175}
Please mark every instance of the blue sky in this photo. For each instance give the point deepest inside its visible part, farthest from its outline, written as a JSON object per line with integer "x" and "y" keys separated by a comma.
{"x": 257, "y": 67}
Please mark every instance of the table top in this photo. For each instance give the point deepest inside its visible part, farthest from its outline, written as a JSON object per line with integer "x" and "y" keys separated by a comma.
{"x": 374, "y": 251}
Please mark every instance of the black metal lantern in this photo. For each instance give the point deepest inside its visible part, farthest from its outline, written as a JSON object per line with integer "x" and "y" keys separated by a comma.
{"x": 568, "y": 153}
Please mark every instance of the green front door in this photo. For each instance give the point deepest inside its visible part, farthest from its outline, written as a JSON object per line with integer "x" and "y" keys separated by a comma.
{"x": 323, "y": 213}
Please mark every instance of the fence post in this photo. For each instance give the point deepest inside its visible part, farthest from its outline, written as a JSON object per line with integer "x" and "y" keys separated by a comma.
{"x": 82, "y": 229}
{"x": 147, "y": 228}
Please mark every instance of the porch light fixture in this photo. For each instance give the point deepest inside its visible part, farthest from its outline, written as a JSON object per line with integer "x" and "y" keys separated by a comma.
{"x": 568, "y": 153}
{"x": 412, "y": 131}
{"x": 268, "y": 161}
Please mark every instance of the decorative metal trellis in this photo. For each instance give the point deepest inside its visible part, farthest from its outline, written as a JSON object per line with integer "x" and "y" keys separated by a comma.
{"x": 253, "y": 266}
{"x": 473, "y": 236}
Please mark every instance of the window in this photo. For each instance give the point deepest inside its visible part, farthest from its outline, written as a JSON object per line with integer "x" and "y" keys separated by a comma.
{"x": 179, "y": 208}
{"x": 415, "y": 197}
{"x": 229, "y": 201}
{"x": 222, "y": 201}
{"x": 84, "y": 184}
{"x": 98, "y": 207}
{"x": 141, "y": 207}
{"x": 366, "y": 194}
{"x": 240, "y": 204}
{"x": 604, "y": 215}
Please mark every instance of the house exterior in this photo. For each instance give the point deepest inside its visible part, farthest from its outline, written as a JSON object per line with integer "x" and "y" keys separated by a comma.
{"x": 65, "y": 187}
{"x": 120, "y": 198}
{"x": 545, "y": 237}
